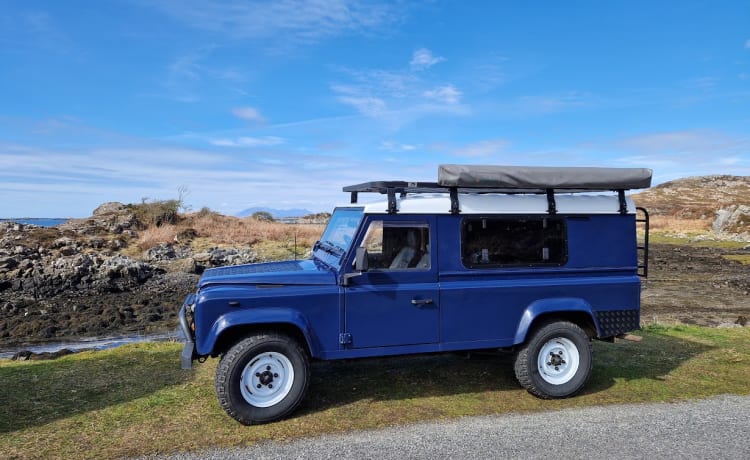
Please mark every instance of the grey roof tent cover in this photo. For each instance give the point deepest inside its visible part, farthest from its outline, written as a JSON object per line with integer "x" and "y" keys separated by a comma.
{"x": 543, "y": 177}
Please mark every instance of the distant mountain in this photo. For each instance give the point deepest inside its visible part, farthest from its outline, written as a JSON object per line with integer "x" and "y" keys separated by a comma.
{"x": 276, "y": 213}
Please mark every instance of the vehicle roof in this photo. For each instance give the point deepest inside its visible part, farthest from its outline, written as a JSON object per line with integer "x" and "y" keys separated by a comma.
{"x": 487, "y": 203}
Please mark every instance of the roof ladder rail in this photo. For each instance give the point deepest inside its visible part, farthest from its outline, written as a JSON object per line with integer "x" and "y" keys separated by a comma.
{"x": 643, "y": 249}
{"x": 551, "y": 205}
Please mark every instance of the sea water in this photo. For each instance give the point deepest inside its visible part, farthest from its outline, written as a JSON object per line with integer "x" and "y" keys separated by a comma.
{"x": 41, "y": 221}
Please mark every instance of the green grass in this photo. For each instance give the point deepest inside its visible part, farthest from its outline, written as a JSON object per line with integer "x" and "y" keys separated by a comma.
{"x": 661, "y": 238}
{"x": 135, "y": 400}
{"x": 744, "y": 259}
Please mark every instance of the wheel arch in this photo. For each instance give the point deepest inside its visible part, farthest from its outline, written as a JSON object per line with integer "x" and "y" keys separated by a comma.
{"x": 232, "y": 335}
{"x": 230, "y": 328}
{"x": 540, "y": 312}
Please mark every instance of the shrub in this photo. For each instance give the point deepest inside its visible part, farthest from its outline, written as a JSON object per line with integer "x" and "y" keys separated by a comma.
{"x": 156, "y": 212}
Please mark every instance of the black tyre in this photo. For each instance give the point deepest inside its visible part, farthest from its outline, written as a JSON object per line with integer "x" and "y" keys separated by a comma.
{"x": 555, "y": 361}
{"x": 262, "y": 378}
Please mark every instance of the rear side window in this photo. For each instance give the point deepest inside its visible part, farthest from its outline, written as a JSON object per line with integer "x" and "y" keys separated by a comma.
{"x": 507, "y": 241}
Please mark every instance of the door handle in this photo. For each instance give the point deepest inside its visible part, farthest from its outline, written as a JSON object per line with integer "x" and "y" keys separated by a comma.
{"x": 421, "y": 301}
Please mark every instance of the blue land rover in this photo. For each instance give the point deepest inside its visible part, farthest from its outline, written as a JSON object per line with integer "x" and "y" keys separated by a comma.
{"x": 532, "y": 259}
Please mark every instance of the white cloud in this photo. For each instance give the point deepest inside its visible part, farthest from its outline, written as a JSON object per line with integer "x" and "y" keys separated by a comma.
{"x": 248, "y": 113}
{"x": 267, "y": 141}
{"x": 481, "y": 148}
{"x": 447, "y": 94}
{"x": 292, "y": 21}
{"x": 41, "y": 182}
{"x": 366, "y": 105}
{"x": 188, "y": 75}
{"x": 423, "y": 59}
{"x": 392, "y": 146}
{"x": 695, "y": 141}
{"x": 541, "y": 105}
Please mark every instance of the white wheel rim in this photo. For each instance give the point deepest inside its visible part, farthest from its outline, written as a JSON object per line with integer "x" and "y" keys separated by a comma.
{"x": 558, "y": 361}
{"x": 266, "y": 379}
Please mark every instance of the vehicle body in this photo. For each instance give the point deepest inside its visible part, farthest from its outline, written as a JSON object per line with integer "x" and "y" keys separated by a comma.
{"x": 487, "y": 258}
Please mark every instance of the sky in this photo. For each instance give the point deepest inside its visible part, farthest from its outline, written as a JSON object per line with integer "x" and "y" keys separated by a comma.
{"x": 236, "y": 104}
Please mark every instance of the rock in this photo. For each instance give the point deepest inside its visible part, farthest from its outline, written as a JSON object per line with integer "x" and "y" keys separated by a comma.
{"x": 112, "y": 207}
{"x": 27, "y": 355}
{"x": 202, "y": 257}
{"x": 733, "y": 219}
{"x": 7, "y": 264}
{"x": 163, "y": 251}
{"x": 186, "y": 235}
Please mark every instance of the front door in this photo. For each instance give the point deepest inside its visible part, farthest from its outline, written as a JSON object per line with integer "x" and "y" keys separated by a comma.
{"x": 395, "y": 302}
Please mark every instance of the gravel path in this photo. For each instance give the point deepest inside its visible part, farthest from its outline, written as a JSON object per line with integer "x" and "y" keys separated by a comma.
{"x": 714, "y": 428}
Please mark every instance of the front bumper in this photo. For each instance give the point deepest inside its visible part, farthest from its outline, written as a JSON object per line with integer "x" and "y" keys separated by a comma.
{"x": 188, "y": 351}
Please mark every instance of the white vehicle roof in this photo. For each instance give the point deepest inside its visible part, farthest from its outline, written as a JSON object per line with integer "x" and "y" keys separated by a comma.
{"x": 500, "y": 204}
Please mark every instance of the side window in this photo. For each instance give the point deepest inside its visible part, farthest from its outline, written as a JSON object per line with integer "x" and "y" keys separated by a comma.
{"x": 397, "y": 245}
{"x": 503, "y": 241}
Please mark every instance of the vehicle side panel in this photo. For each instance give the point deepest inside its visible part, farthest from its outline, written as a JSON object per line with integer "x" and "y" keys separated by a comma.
{"x": 481, "y": 305}
{"x": 315, "y": 310}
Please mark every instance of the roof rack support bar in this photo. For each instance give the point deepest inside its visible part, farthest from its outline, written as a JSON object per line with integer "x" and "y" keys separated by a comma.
{"x": 353, "y": 199}
{"x": 623, "y": 203}
{"x": 551, "y": 205}
{"x": 392, "y": 207}
{"x": 455, "y": 208}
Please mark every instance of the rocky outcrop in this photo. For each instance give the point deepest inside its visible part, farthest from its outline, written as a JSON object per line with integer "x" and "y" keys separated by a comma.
{"x": 64, "y": 264}
{"x": 74, "y": 280}
{"x": 733, "y": 220}
{"x": 721, "y": 201}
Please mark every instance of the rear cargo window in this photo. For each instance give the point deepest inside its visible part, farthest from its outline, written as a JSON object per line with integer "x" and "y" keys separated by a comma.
{"x": 502, "y": 241}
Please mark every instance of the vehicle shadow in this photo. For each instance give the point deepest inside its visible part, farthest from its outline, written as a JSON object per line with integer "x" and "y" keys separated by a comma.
{"x": 655, "y": 357}
{"x": 339, "y": 383}
{"x": 40, "y": 392}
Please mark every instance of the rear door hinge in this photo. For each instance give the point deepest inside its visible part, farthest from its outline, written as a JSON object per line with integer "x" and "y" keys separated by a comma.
{"x": 345, "y": 338}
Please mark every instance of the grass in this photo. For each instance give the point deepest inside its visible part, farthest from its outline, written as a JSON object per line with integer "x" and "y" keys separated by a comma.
{"x": 663, "y": 238}
{"x": 271, "y": 240}
{"x": 134, "y": 400}
{"x": 744, "y": 259}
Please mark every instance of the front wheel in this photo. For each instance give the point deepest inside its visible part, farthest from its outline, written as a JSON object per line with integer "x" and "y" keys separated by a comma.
{"x": 555, "y": 361}
{"x": 262, "y": 378}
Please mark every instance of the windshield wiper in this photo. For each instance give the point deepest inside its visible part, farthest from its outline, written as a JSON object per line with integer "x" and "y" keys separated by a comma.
{"x": 330, "y": 248}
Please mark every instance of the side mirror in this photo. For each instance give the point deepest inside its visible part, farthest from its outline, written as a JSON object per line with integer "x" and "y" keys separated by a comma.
{"x": 360, "y": 260}
{"x": 360, "y": 265}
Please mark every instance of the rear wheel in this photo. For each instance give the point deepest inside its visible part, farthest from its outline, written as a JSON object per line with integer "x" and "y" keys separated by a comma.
{"x": 262, "y": 378}
{"x": 555, "y": 361}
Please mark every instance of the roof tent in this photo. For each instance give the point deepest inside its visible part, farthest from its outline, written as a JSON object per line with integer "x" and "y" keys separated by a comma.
{"x": 455, "y": 179}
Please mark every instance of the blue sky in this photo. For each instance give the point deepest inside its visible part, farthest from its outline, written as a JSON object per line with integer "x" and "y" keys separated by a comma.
{"x": 281, "y": 103}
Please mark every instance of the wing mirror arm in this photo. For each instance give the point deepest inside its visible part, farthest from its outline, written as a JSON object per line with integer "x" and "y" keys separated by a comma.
{"x": 361, "y": 265}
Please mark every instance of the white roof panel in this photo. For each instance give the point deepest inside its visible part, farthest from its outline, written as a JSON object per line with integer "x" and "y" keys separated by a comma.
{"x": 502, "y": 204}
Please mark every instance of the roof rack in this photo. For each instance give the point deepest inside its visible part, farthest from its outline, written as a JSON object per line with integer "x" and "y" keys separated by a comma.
{"x": 455, "y": 179}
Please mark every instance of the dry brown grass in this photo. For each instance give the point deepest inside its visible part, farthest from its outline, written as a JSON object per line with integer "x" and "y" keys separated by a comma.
{"x": 219, "y": 230}
{"x": 154, "y": 235}
{"x": 677, "y": 225}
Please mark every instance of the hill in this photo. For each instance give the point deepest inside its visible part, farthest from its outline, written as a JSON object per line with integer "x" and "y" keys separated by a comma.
{"x": 717, "y": 203}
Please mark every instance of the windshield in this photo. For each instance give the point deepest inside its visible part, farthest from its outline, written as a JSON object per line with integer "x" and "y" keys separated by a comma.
{"x": 342, "y": 227}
